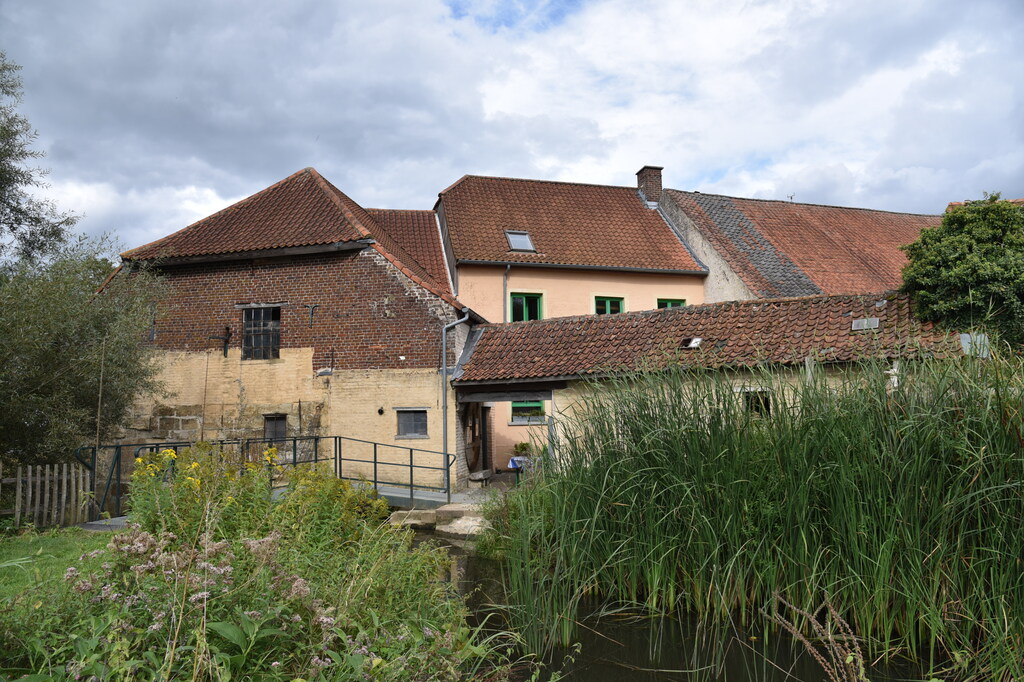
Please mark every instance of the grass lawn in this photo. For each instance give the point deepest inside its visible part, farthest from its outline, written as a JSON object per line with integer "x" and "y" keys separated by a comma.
{"x": 45, "y": 556}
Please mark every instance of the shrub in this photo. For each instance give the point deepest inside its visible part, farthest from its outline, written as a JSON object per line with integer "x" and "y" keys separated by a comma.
{"x": 217, "y": 580}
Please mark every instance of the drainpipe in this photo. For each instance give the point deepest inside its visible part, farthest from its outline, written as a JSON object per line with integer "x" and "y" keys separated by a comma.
{"x": 444, "y": 399}
{"x": 504, "y": 294}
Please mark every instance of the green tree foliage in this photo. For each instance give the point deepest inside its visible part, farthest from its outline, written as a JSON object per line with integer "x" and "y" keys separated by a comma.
{"x": 29, "y": 226}
{"x": 57, "y": 332}
{"x": 59, "y": 338}
{"x": 969, "y": 271}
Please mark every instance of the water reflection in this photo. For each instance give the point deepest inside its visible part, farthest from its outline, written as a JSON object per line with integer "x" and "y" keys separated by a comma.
{"x": 616, "y": 646}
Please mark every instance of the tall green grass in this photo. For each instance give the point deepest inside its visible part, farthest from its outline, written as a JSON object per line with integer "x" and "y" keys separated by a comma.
{"x": 902, "y": 505}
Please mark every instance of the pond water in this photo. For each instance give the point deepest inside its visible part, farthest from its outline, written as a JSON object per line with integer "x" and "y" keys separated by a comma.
{"x": 629, "y": 647}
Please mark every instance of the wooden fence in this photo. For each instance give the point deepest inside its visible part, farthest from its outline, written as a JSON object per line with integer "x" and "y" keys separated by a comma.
{"x": 46, "y": 495}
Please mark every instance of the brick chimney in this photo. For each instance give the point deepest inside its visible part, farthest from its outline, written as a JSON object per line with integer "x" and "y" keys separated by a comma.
{"x": 648, "y": 181}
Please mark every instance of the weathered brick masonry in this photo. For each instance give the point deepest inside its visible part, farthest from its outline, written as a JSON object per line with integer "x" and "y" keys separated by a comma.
{"x": 368, "y": 315}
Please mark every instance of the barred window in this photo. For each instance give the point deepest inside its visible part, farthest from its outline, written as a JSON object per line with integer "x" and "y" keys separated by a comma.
{"x": 261, "y": 333}
{"x": 412, "y": 422}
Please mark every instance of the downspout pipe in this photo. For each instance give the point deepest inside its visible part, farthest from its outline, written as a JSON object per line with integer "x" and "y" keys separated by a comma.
{"x": 444, "y": 399}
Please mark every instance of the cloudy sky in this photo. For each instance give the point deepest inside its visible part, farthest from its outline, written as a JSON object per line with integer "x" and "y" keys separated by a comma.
{"x": 154, "y": 114}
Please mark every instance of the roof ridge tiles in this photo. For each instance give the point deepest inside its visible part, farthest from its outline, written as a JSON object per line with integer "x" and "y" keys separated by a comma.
{"x": 534, "y": 181}
{"x": 800, "y": 203}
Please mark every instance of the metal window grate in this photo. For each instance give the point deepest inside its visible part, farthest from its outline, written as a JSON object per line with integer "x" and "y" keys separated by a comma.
{"x": 261, "y": 333}
{"x": 412, "y": 423}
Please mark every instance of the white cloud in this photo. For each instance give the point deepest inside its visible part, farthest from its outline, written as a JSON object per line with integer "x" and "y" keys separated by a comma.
{"x": 157, "y": 210}
{"x": 153, "y": 112}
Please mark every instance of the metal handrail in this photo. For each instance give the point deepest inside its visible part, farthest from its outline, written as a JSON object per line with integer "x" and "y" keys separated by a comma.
{"x": 336, "y": 455}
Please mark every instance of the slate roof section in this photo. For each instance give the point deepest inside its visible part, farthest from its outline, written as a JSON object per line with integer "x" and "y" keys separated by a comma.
{"x": 418, "y": 233}
{"x": 734, "y": 334}
{"x": 304, "y": 209}
{"x": 782, "y": 248}
{"x": 570, "y": 224}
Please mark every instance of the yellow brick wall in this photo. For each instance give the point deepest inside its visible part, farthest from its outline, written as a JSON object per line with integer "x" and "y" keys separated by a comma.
{"x": 210, "y": 397}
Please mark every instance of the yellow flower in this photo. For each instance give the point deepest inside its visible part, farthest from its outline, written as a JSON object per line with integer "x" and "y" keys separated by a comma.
{"x": 194, "y": 465}
{"x": 138, "y": 460}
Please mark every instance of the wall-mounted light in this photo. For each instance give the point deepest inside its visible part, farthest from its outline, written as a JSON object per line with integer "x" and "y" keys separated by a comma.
{"x": 380, "y": 411}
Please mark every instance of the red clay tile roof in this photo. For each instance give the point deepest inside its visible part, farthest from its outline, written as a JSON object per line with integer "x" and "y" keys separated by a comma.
{"x": 293, "y": 212}
{"x": 570, "y": 224}
{"x": 304, "y": 209}
{"x": 734, "y": 334}
{"x": 418, "y": 233}
{"x": 956, "y": 204}
{"x": 781, "y": 248}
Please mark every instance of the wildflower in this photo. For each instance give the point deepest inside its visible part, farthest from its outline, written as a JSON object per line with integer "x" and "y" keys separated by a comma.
{"x": 198, "y": 597}
{"x": 324, "y": 621}
{"x": 299, "y": 589}
{"x": 169, "y": 454}
{"x": 320, "y": 662}
{"x": 254, "y": 614}
{"x": 138, "y": 460}
{"x": 71, "y": 573}
{"x": 275, "y": 664}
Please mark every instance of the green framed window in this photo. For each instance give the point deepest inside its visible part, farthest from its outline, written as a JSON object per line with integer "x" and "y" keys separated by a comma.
{"x": 608, "y": 305}
{"x": 526, "y": 307}
{"x": 671, "y": 303}
{"x": 528, "y": 412}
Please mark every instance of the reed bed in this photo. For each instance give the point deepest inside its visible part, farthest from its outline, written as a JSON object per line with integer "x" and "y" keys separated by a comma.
{"x": 900, "y": 504}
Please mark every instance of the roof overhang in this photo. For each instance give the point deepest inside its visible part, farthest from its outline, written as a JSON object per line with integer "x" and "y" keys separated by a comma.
{"x": 559, "y": 266}
{"x": 486, "y": 392}
{"x": 335, "y": 247}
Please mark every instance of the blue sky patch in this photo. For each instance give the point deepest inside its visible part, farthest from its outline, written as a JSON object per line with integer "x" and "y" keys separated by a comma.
{"x": 526, "y": 14}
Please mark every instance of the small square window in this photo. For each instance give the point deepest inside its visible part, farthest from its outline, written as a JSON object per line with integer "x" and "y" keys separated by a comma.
{"x": 412, "y": 423}
{"x": 275, "y": 426}
{"x": 758, "y": 403}
{"x": 671, "y": 303}
{"x": 526, "y": 307}
{"x": 261, "y": 333}
{"x": 519, "y": 241}
{"x": 607, "y": 305}
{"x": 528, "y": 412}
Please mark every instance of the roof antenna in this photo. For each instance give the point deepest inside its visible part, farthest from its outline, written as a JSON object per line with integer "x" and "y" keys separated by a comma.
{"x": 791, "y": 196}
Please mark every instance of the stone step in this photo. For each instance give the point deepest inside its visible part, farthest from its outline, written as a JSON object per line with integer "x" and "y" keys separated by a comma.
{"x": 417, "y": 519}
{"x": 463, "y": 528}
{"x": 455, "y": 510}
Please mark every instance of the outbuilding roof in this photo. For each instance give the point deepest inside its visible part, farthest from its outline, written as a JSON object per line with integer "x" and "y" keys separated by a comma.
{"x": 782, "y": 248}
{"x": 733, "y": 334}
{"x": 569, "y": 224}
{"x": 303, "y": 210}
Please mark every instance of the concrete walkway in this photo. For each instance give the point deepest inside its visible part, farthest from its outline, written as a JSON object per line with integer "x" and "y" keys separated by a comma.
{"x": 116, "y": 523}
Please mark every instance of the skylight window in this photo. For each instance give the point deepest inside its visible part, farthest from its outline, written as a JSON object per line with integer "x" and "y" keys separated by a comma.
{"x": 519, "y": 241}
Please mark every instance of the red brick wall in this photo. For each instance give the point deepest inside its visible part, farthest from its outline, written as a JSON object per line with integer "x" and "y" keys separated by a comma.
{"x": 368, "y": 315}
